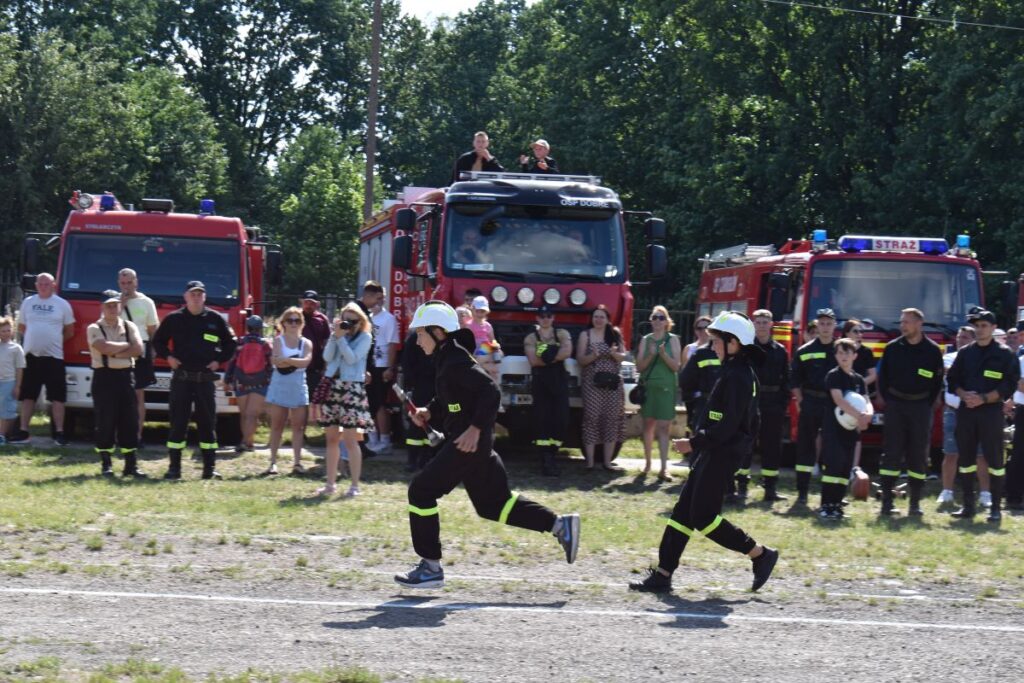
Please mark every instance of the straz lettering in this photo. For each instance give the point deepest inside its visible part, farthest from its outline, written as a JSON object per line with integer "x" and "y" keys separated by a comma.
{"x": 884, "y": 244}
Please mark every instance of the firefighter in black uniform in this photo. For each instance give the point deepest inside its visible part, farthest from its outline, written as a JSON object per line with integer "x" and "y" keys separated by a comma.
{"x": 984, "y": 374}
{"x": 909, "y": 384}
{"x": 467, "y": 400}
{"x": 546, "y": 349}
{"x": 721, "y": 438}
{"x": 811, "y": 363}
{"x": 194, "y": 340}
{"x": 773, "y": 400}
{"x": 418, "y": 383}
{"x": 696, "y": 379}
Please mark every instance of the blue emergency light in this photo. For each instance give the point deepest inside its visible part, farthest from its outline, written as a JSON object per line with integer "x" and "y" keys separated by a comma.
{"x": 106, "y": 202}
{"x": 921, "y": 245}
{"x": 819, "y": 240}
{"x": 963, "y": 241}
{"x": 207, "y": 206}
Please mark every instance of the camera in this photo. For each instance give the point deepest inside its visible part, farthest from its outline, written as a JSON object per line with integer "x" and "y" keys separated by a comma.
{"x": 345, "y": 325}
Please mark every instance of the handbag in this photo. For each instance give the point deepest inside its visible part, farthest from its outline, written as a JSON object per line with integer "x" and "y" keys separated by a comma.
{"x": 638, "y": 394}
{"x": 607, "y": 380}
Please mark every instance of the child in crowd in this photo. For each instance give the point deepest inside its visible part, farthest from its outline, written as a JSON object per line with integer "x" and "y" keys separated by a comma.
{"x": 838, "y": 443}
{"x": 12, "y": 365}
{"x": 465, "y": 316}
{"x": 488, "y": 350}
{"x": 247, "y": 376}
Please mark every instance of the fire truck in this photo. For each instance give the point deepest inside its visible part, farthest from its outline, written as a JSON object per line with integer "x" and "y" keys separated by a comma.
{"x": 521, "y": 240}
{"x": 166, "y": 249}
{"x": 863, "y": 277}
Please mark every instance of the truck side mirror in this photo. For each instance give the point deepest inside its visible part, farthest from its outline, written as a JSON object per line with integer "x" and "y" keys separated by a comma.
{"x": 30, "y": 255}
{"x": 1008, "y": 293}
{"x": 28, "y": 282}
{"x": 401, "y": 251}
{"x": 654, "y": 228}
{"x": 657, "y": 261}
{"x": 405, "y": 219}
{"x": 275, "y": 268}
{"x": 778, "y": 303}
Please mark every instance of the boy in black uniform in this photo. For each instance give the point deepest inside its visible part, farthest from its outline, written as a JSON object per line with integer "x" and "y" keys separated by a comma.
{"x": 838, "y": 443}
{"x": 909, "y": 382}
{"x": 772, "y": 401}
{"x": 811, "y": 363}
{"x": 722, "y": 436}
{"x": 546, "y": 349}
{"x": 984, "y": 374}
{"x": 195, "y": 341}
{"x": 467, "y": 399}
{"x": 418, "y": 383}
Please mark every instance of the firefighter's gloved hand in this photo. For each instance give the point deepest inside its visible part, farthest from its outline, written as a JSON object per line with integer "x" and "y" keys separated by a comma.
{"x": 549, "y": 354}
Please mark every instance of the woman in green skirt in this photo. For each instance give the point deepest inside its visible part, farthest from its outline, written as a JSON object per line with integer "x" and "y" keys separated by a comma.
{"x": 658, "y": 362}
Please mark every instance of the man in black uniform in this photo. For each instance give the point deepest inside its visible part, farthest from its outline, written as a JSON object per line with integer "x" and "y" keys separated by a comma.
{"x": 984, "y": 374}
{"x": 546, "y": 349}
{"x": 811, "y": 363}
{"x": 773, "y": 400}
{"x": 418, "y": 383}
{"x": 194, "y": 340}
{"x": 467, "y": 399}
{"x": 909, "y": 384}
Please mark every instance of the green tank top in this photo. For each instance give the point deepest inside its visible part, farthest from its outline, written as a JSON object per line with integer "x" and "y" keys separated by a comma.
{"x": 658, "y": 373}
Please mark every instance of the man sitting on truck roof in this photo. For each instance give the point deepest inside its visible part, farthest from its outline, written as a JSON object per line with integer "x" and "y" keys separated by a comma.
{"x": 478, "y": 159}
{"x": 541, "y": 163}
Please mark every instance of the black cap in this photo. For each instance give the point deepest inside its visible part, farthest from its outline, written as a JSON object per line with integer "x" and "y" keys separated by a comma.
{"x": 310, "y": 295}
{"x": 546, "y": 308}
{"x": 254, "y": 322}
{"x": 195, "y": 284}
{"x": 825, "y": 313}
{"x": 982, "y": 315}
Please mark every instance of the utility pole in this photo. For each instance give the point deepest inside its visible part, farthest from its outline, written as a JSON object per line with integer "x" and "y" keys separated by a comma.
{"x": 371, "y": 107}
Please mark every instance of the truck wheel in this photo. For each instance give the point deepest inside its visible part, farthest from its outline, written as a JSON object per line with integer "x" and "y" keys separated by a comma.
{"x": 229, "y": 430}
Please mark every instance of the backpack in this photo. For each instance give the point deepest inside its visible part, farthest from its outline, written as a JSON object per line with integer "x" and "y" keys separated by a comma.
{"x": 252, "y": 365}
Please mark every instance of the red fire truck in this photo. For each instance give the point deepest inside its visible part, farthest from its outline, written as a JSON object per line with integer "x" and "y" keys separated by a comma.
{"x": 522, "y": 240}
{"x": 869, "y": 278}
{"x": 166, "y": 249}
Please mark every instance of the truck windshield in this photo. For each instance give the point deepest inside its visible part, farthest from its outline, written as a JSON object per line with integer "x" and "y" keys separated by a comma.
{"x": 877, "y": 290}
{"x": 483, "y": 241}
{"x": 164, "y": 265}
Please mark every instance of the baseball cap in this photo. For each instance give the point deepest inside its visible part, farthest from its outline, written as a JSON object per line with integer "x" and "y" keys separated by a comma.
{"x": 981, "y": 315}
{"x": 480, "y": 303}
{"x": 311, "y": 295}
{"x": 825, "y": 313}
{"x": 546, "y": 308}
{"x": 111, "y": 296}
{"x": 254, "y": 322}
{"x": 195, "y": 284}
{"x": 540, "y": 141}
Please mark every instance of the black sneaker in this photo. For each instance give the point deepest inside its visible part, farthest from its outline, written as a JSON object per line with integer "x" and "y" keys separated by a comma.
{"x": 60, "y": 440}
{"x": 20, "y": 436}
{"x": 421, "y": 576}
{"x": 995, "y": 516}
{"x": 654, "y": 582}
{"x": 763, "y": 565}
{"x": 569, "y": 536}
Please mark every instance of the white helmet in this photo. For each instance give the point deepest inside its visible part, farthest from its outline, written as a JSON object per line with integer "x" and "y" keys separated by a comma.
{"x": 858, "y": 401}
{"x": 436, "y": 313}
{"x": 735, "y": 324}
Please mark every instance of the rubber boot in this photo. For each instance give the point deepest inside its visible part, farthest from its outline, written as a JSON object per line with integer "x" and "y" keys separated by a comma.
{"x": 107, "y": 466}
{"x": 969, "y": 508}
{"x": 803, "y": 486}
{"x": 915, "y": 486}
{"x": 209, "y": 462}
{"x": 131, "y": 465}
{"x": 995, "y": 513}
{"x": 770, "y": 493}
{"x": 742, "y": 484}
{"x": 174, "y": 469}
{"x": 888, "y": 509}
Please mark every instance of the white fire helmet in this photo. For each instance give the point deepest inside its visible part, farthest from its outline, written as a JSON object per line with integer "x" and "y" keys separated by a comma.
{"x": 735, "y": 324}
{"x": 435, "y": 313}
{"x": 859, "y": 402}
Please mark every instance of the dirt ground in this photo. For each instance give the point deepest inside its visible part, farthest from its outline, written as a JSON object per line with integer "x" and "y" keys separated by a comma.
{"x": 288, "y": 604}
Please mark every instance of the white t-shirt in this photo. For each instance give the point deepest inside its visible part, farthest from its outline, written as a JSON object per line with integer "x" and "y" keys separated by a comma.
{"x": 143, "y": 313}
{"x": 952, "y": 400}
{"x": 1018, "y": 396}
{"x": 385, "y": 331}
{"x": 44, "y": 321}
{"x": 11, "y": 358}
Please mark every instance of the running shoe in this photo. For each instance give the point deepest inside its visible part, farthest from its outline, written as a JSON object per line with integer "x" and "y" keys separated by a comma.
{"x": 20, "y": 436}
{"x": 985, "y": 499}
{"x": 60, "y": 440}
{"x": 762, "y": 566}
{"x": 421, "y": 576}
{"x": 654, "y": 582}
{"x": 569, "y": 536}
{"x": 945, "y": 498}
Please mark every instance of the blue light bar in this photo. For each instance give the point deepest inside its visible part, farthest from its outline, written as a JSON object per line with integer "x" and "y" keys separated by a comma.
{"x": 934, "y": 246}
{"x": 854, "y": 244}
{"x": 106, "y": 202}
{"x": 207, "y": 206}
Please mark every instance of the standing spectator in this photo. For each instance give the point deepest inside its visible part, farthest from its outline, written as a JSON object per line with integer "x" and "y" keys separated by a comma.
{"x": 1013, "y": 339}
{"x": 138, "y": 308}
{"x": 479, "y": 159}
{"x": 12, "y": 366}
{"x": 546, "y": 349}
{"x": 811, "y": 363}
{"x": 541, "y": 162}
{"x": 658, "y": 361}
{"x": 346, "y": 414}
{"x": 865, "y": 364}
{"x": 384, "y": 366}
{"x": 811, "y": 332}
{"x": 194, "y": 341}
{"x": 465, "y": 316}
{"x": 700, "y": 331}
{"x": 317, "y": 329}
{"x": 909, "y": 383}
{"x": 950, "y": 457}
{"x": 838, "y": 442}
{"x": 773, "y": 401}
{"x": 418, "y": 381}
{"x": 469, "y": 295}
{"x": 114, "y": 345}
{"x": 288, "y": 395}
{"x": 45, "y": 323}
{"x": 1015, "y": 468}
{"x": 600, "y": 353}
{"x": 983, "y": 375}
{"x": 488, "y": 350}
{"x": 247, "y": 376}
{"x": 1020, "y": 337}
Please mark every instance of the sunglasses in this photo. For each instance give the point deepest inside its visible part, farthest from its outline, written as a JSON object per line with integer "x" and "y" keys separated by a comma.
{"x": 858, "y": 330}
{"x": 293, "y": 321}
{"x": 658, "y": 317}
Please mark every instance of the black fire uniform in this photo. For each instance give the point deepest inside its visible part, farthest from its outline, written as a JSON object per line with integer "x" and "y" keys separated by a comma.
{"x": 723, "y": 435}
{"x": 909, "y": 380}
{"x": 983, "y": 369}
{"x": 811, "y": 363}
{"x": 696, "y": 380}
{"x": 838, "y": 444}
{"x": 418, "y": 382}
{"x": 773, "y": 401}
{"x": 196, "y": 341}
{"x": 466, "y": 396}
{"x": 113, "y": 396}
{"x": 550, "y": 388}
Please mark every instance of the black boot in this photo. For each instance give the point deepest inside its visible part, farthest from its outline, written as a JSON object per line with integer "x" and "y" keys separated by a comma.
{"x": 107, "y": 466}
{"x": 888, "y": 509}
{"x": 968, "y": 510}
{"x": 742, "y": 484}
{"x": 131, "y": 466}
{"x": 915, "y": 486}
{"x": 770, "y": 494}
{"x": 803, "y": 485}
{"x": 174, "y": 469}
{"x": 995, "y": 513}
{"x": 209, "y": 461}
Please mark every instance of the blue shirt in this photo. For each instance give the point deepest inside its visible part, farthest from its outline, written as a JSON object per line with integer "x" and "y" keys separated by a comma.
{"x": 346, "y": 357}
